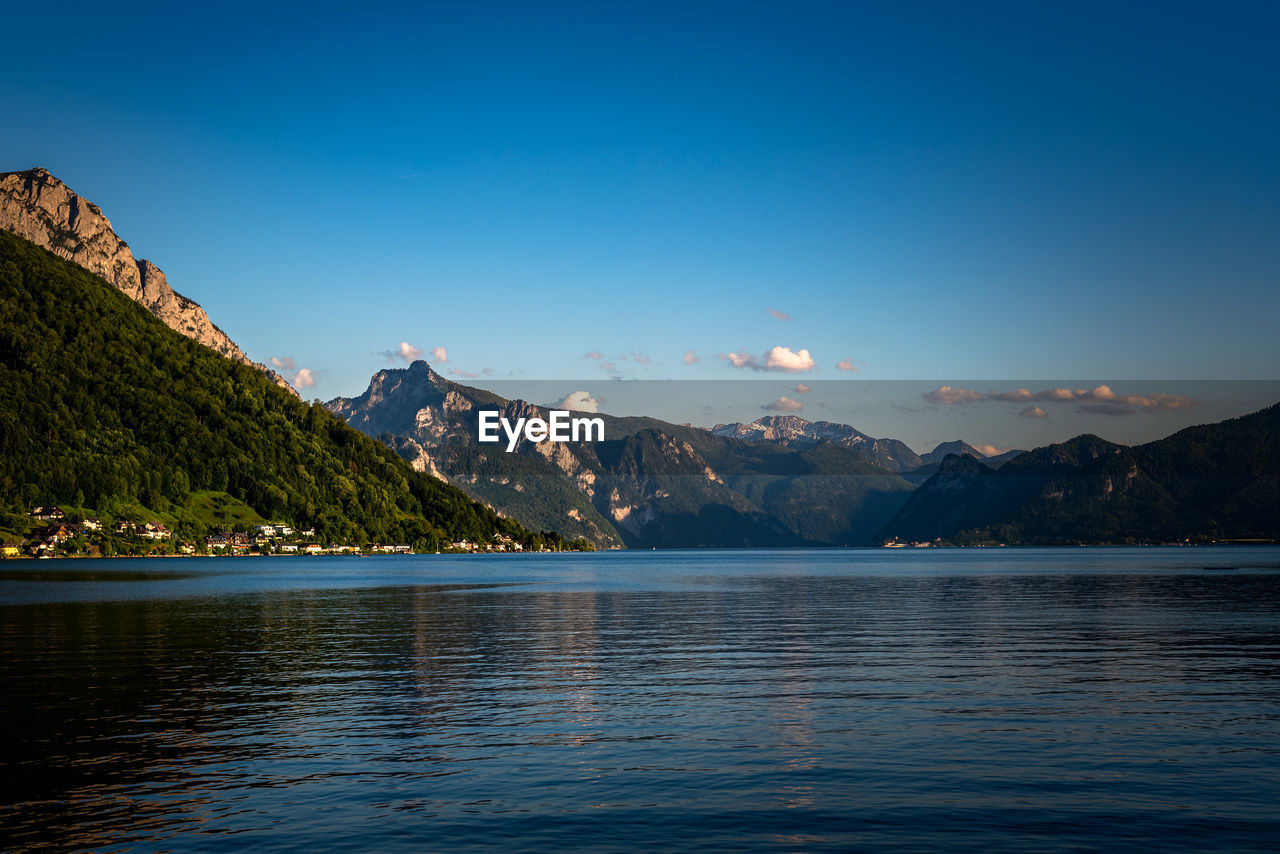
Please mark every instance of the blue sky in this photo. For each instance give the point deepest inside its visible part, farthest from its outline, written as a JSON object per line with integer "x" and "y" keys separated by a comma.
{"x": 931, "y": 191}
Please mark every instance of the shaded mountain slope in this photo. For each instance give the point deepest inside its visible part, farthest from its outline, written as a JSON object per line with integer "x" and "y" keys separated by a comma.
{"x": 1215, "y": 481}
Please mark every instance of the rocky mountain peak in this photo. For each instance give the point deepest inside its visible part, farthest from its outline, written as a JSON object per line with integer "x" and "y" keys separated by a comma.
{"x": 38, "y": 207}
{"x": 784, "y": 422}
{"x": 770, "y": 428}
{"x": 797, "y": 432}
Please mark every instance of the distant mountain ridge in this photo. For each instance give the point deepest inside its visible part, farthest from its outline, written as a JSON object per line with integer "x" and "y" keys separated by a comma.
{"x": 38, "y": 207}
{"x": 650, "y": 483}
{"x": 958, "y": 447}
{"x": 783, "y": 480}
{"x": 797, "y": 432}
{"x": 1211, "y": 482}
{"x": 892, "y": 454}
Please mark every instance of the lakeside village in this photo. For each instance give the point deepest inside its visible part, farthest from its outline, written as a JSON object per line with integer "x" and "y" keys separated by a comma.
{"x": 61, "y": 536}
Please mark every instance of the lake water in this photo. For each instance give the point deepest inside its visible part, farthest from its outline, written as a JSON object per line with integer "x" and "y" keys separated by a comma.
{"x": 994, "y": 700}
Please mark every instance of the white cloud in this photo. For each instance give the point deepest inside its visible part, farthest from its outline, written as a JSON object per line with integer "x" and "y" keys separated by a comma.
{"x": 803, "y": 389}
{"x": 1017, "y": 395}
{"x": 304, "y": 378}
{"x": 578, "y": 401}
{"x": 297, "y": 377}
{"x": 1033, "y": 412}
{"x": 847, "y": 365}
{"x": 406, "y": 352}
{"x": 690, "y": 357}
{"x": 947, "y": 396}
{"x": 641, "y": 358}
{"x": 438, "y": 355}
{"x": 470, "y": 375}
{"x": 1146, "y": 402}
{"x": 784, "y": 404}
{"x": 781, "y": 315}
{"x": 989, "y": 450}
{"x": 782, "y": 360}
{"x": 594, "y": 354}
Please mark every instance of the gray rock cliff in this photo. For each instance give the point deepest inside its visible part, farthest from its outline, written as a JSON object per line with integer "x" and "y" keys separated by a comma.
{"x": 38, "y": 207}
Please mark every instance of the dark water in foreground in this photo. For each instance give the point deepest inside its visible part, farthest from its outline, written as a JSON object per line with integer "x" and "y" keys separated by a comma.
{"x": 720, "y": 701}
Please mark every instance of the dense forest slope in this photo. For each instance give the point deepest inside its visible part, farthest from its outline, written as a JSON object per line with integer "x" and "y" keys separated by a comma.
{"x": 108, "y": 410}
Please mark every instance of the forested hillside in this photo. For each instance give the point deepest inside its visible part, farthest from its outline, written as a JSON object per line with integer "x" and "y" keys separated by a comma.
{"x": 106, "y": 409}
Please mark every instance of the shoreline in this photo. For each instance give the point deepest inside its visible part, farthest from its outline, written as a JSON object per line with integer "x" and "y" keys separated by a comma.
{"x": 710, "y": 550}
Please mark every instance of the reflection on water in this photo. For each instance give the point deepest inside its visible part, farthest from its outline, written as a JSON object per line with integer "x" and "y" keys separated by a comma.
{"x": 99, "y": 573}
{"x": 793, "y": 701}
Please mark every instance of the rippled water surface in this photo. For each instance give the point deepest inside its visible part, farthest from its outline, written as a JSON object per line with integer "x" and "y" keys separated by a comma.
{"x": 1091, "y": 699}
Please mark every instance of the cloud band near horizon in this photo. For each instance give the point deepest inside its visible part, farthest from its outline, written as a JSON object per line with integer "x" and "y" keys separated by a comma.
{"x": 1101, "y": 400}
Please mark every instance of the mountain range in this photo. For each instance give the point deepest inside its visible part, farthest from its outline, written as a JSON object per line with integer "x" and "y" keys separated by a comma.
{"x": 795, "y": 432}
{"x": 785, "y": 481}
{"x": 649, "y": 484}
{"x": 892, "y": 454}
{"x": 123, "y": 397}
